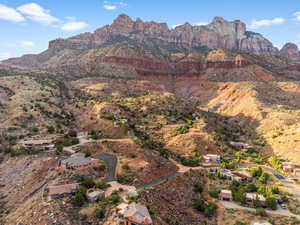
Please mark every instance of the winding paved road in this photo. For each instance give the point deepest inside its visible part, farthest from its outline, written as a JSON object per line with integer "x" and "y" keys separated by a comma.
{"x": 111, "y": 163}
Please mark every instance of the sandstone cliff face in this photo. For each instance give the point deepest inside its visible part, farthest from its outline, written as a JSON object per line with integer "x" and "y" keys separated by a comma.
{"x": 218, "y": 34}
{"x": 99, "y": 51}
{"x": 290, "y": 51}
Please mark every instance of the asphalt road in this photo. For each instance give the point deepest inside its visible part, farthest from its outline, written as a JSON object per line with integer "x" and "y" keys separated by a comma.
{"x": 158, "y": 181}
{"x": 111, "y": 163}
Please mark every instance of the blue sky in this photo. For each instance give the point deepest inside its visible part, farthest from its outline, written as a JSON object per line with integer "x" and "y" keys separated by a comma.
{"x": 27, "y": 26}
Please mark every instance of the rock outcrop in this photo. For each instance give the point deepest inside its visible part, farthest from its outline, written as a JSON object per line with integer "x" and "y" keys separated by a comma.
{"x": 218, "y": 34}
{"x": 290, "y": 51}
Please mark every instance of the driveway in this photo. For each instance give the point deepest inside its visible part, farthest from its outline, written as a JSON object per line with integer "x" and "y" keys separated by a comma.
{"x": 279, "y": 211}
{"x": 111, "y": 163}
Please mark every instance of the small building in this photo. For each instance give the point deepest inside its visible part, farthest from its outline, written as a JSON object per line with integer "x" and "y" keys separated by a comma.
{"x": 59, "y": 191}
{"x": 47, "y": 143}
{"x": 260, "y": 223}
{"x": 225, "y": 195}
{"x": 288, "y": 167}
{"x": 297, "y": 172}
{"x": 134, "y": 214}
{"x": 78, "y": 160}
{"x": 211, "y": 160}
{"x": 227, "y": 174}
{"x": 94, "y": 195}
{"x": 251, "y": 197}
{"x": 239, "y": 176}
{"x": 240, "y": 145}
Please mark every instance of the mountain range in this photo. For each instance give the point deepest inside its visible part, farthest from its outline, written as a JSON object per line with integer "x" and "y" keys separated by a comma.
{"x": 157, "y": 36}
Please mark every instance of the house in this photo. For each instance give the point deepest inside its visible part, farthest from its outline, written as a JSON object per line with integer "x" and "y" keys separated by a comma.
{"x": 61, "y": 190}
{"x": 240, "y": 145}
{"x": 78, "y": 160}
{"x": 94, "y": 195}
{"x": 134, "y": 214}
{"x": 225, "y": 195}
{"x": 211, "y": 160}
{"x": 260, "y": 223}
{"x": 251, "y": 197}
{"x": 243, "y": 177}
{"x": 288, "y": 167}
{"x": 37, "y": 143}
{"x": 227, "y": 173}
{"x": 297, "y": 172}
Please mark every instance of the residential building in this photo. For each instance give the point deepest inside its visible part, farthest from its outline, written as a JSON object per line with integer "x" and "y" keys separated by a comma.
{"x": 288, "y": 167}
{"x": 260, "y": 223}
{"x": 251, "y": 197}
{"x": 61, "y": 190}
{"x": 47, "y": 143}
{"x": 297, "y": 172}
{"x": 78, "y": 160}
{"x": 211, "y": 160}
{"x": 240, "y": 145}
{"x": 225, "y": 195}
{"x": 94, "y": 195}
{"x": 134, "y": 214}
{"x": 239, "y": 176}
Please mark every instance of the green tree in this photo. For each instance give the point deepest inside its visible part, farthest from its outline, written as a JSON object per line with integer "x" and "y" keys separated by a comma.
{"x": 199, "y": 204}
{"x": 275, "y": 162}
{"x": 198, "y": 188}
{"x": 210, "y": 209}
{"x": 256, "y": 171}
{"x": 271, "y": 203}
{"x": 239, "y": 156}
{"x": 79, "y": 198}
{"x": 261, "y": 212}
{"x": 264, "y": 178}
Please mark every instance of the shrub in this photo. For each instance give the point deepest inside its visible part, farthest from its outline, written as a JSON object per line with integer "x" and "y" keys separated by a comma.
{"x": 261, "y": 212}
{"x": 264, "y": 178}
{"x": 100, "y": 213}
{"x": 210, "y": 209}
{"x": 214, "y": 193}
{"x": 256, "y": 171}
{"x": 199, "y": 204}
{"x": 72, "y": 133}
{"x": 87, "y": 182}
{"x": 87, "y": 154}
{"x": 271, "y": 203}
{"x": 251, "y": 188}
{"x": 198, "y": 188}
{"x": 79, "y": 198}
{"x": 125, "y": 178}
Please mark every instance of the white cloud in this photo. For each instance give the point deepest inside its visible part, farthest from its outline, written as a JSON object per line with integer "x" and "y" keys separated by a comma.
{"x": 4, "y": 55}
{"x": 297, "y": 15}
{"x": 200, "y": 24}
{"x": 10, "y": 14}
{"x": 21, "y": 44}
{"x": 110, "y": 7}
{"x": 73, "y": 26}
{"x": 37, "y": 13}
{"x": 123, "y": 4}
{"x": 266, "y": 22}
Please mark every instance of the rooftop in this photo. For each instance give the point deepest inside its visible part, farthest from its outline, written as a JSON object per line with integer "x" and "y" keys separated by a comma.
{"x": 229, "y": 192}
{"x": 76, "y": 160}
{"x": 260, "y": 223}
{"x": 62, "y": 189}
{"x": 36, "y": 142}
{"x": 253, "y": 196}
{"x": 137, "y": 213}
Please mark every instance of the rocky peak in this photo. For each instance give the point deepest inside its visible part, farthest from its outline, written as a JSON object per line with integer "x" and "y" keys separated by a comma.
{"x": 290, "y": 51}
{"x": 123, "y": 24}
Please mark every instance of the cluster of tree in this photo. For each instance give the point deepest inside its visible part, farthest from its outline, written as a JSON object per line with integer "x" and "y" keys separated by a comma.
{"x": 275, "y": 162}
{"x": 208, "y": 209}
